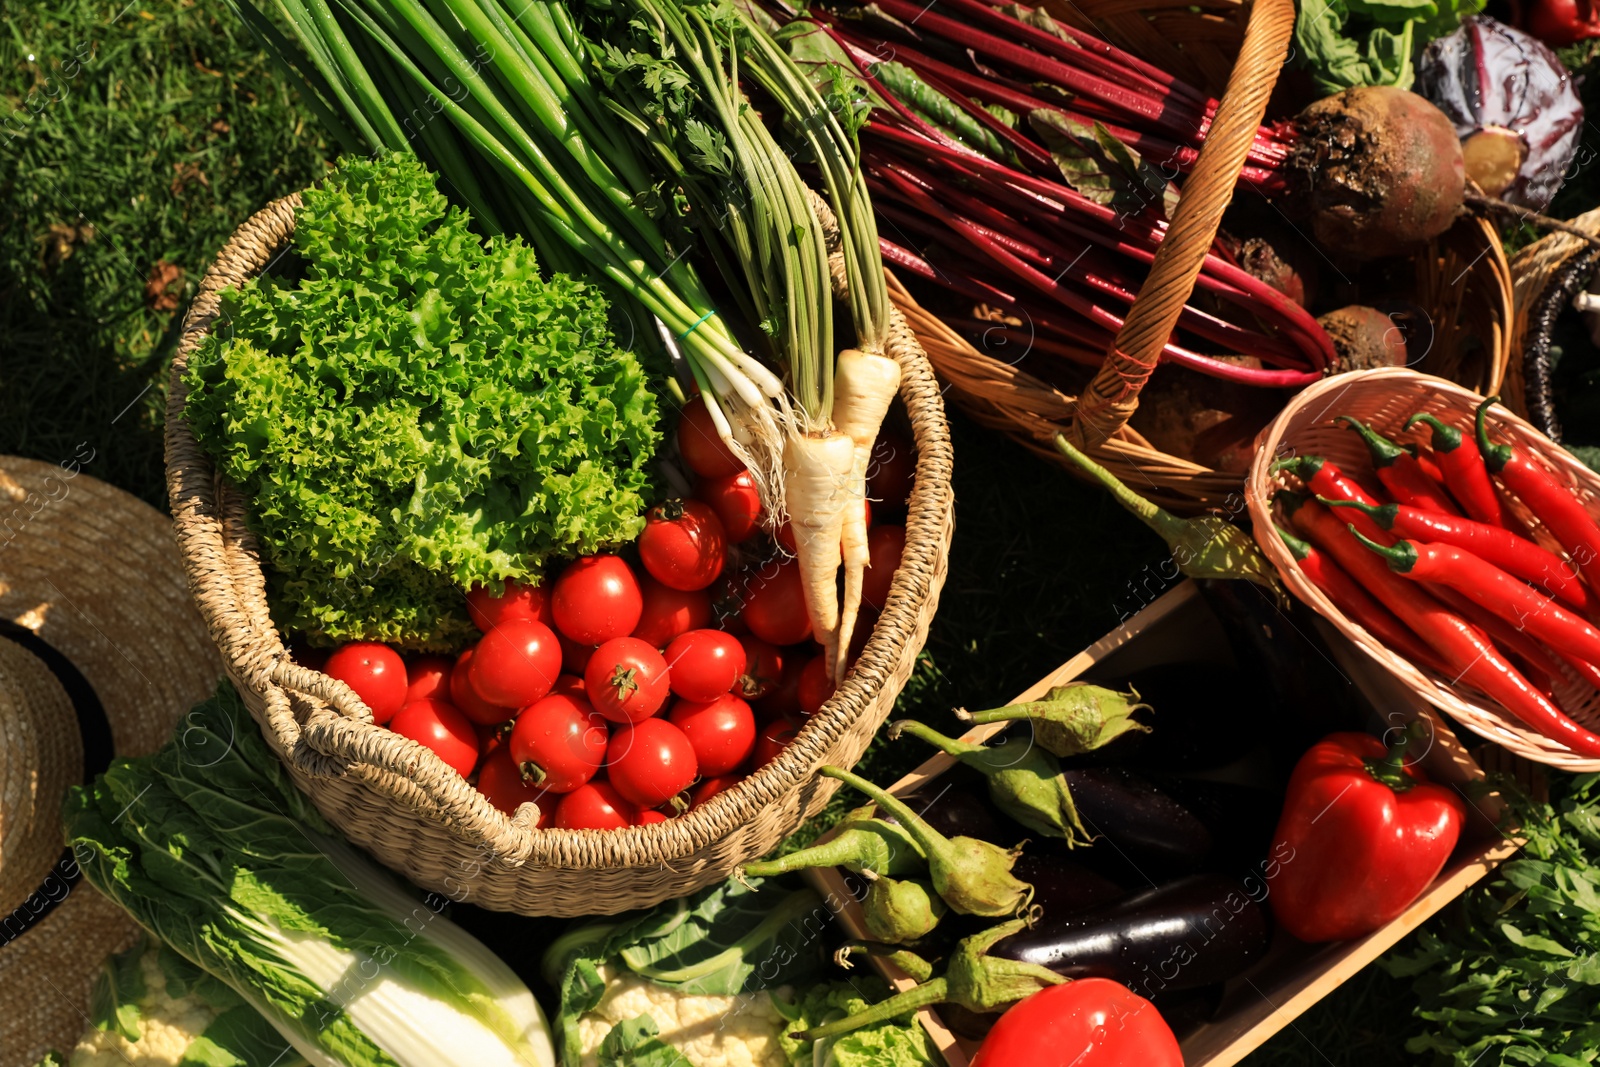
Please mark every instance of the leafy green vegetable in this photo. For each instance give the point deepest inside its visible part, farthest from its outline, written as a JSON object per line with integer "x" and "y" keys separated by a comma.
{"x": 1346, "y": 43}
{"x": 422, "y": 411}
{"x": 897, "y": 1043}
{"x": 636, "y": 1043}
{"x": 726, "y": 939}
{"x": 210, "y": 847}
{"x": 1513, "y": 977}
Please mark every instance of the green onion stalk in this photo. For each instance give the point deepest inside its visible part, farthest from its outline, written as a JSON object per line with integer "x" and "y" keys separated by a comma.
{"x": 616, "y": 137}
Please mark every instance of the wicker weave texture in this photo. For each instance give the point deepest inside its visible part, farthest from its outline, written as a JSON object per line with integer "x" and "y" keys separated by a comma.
{"x": 1385, "y": 399}
{"x": 396, "y": 799}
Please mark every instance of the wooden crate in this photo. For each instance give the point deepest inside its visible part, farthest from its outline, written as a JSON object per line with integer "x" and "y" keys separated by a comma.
{"x": 1179, "y": 627}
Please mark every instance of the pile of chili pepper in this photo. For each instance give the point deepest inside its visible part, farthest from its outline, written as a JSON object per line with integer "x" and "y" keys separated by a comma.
{"x": 1442, "y": 572}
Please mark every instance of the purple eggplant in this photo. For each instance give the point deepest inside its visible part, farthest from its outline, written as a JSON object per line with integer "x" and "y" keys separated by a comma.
{"x": 1186, "y": 934}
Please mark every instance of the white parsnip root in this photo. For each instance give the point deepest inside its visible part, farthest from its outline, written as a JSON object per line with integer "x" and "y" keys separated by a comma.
{"x": 817, "y": 469}
{"x": 864, "y": 385}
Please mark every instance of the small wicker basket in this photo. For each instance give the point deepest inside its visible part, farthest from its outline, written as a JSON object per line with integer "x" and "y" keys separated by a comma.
{"x": 1463, "y": 282}
{"x": 400, "y": 802}
{"x": 1546, "y": 276}
{"x": 1385, "y": 399}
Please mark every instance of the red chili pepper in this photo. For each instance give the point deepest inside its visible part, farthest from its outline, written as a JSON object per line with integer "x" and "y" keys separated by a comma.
{"x": 1494, "y": 544}
{"x": 1400, "y": 473}
{"x": 1464, "y": 473}
{"x": 1551, "y": 502}
{"x": 1366, "y": 835}
{"x": 1513, "y": 640}
{"x": 1428, "y": 462}
{"x": 1324, "y": 478}
{"x": 1356, "y": 602}
{"x": 1475, "y": 658}
{"x": 1494, "y": 590}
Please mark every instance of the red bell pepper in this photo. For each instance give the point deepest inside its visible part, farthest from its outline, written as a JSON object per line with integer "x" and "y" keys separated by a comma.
{"x": 1364, "y": 836}
{"x": 1092, "y": 1022}
{"x": 1558, "y": 22}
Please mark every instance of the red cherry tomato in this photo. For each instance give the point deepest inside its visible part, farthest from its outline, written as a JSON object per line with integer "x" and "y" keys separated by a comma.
{"x": 1089, "y": 1022}
{"x": 683, "y": 545}
{"x": 595, "y": 599}
{"x": 669, "y": 612}
{"x": 492, "y": 605}
{"x": 774, "y": 738}
{"x": 594, "y": 806}
{"x": 650, "y": 762}
{"x": 722, "y": 732}
{"x": 736, "y": 501}
{"x": 428, "y": 676}
{"x": 784, "y": 700}
{"x": 491, "y": 739}
{"x": 891, "y": 471}
{"x": 705, "y": 664}
{"x": 886, "y": 544}
{"x": 501, "y": 783}
{"x": 626, "y": 680}
{"x": 574, "y": 657}
{"x": 558, "y": 743}
{"x": 650, "y": 816}
{"x": 375, "y": 672}
{"x": 815, "y": 685}
{"x": 710, "y": 787}
{"x": 436, "y": 725}
{"x": 763, "y": 668}
{"x": 468, "y": 702}
{"x": 700, "y": 445}
{"x": 775, "y": 603}
{"x": 569, "y": 685}
{"x": 515, "y": 664}
{"x": 785, "y": 534}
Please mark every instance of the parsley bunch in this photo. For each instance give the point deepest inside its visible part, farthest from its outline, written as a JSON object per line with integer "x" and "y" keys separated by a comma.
{"x": 420, "y": 412}
{"x": 1513, "y": 977}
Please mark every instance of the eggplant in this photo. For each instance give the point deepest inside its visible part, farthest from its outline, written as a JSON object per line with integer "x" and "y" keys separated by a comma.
{"x": 1187, "y": 934}
{"x": 957, "y": 805}
{"x": 1197, "y": 714}
{"x": 1141, "y": 827}
{"x": 1241, "y": 818}
{"x": 1307, "y": 695}
{"x": 1062, "y": 886}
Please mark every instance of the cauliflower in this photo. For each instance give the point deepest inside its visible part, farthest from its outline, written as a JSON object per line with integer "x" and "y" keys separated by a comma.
{"x": 710, "y": 1031}
{"x": 153, "y": 1008}
{"x": 166, "y": 1026}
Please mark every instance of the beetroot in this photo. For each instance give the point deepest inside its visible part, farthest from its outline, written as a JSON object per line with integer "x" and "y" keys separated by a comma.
{"x": 1378, "y": 170}
{"x": 1364, "y": 338}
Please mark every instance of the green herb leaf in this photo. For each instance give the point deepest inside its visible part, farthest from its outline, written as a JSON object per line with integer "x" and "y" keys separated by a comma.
{"x": 635, "y": 1043}
{"x": 114, "y": 1004}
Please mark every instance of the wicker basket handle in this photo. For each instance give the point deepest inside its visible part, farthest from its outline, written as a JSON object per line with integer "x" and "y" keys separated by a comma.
{"x": 1113, "y": 395}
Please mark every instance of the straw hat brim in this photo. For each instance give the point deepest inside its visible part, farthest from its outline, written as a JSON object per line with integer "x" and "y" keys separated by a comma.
{"x": 94, "y": 573}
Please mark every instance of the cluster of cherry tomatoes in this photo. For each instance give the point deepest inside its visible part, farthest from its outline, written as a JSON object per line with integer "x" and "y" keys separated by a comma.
{"x": 621, "y": 694}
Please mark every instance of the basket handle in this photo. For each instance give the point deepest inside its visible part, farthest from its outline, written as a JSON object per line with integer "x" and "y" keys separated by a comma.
{"x": 1112, "y": 397}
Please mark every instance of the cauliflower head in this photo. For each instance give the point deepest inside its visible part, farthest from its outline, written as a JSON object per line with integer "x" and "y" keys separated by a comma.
{"x": 710, "y": 1031}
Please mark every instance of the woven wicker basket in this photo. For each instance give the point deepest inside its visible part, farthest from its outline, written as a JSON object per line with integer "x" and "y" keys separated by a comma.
{"x": 401, "y": 803}
{"x": 1546, "y": 276}
{"x": 1385, "y": 399}
{"x": 1463, "y": 281}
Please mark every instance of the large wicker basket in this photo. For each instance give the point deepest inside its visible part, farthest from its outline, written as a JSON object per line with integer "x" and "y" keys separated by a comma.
{"x": 1463, "y": 281}
{"x": 1385, "y": 399}
{"x": 401, "y": 803}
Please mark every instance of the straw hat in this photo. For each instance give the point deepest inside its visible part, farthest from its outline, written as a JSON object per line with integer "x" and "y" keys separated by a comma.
{"x": 101, "y": 650}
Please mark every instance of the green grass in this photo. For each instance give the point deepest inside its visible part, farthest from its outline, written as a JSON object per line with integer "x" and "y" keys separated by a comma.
{"x": 157, "y": 126}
